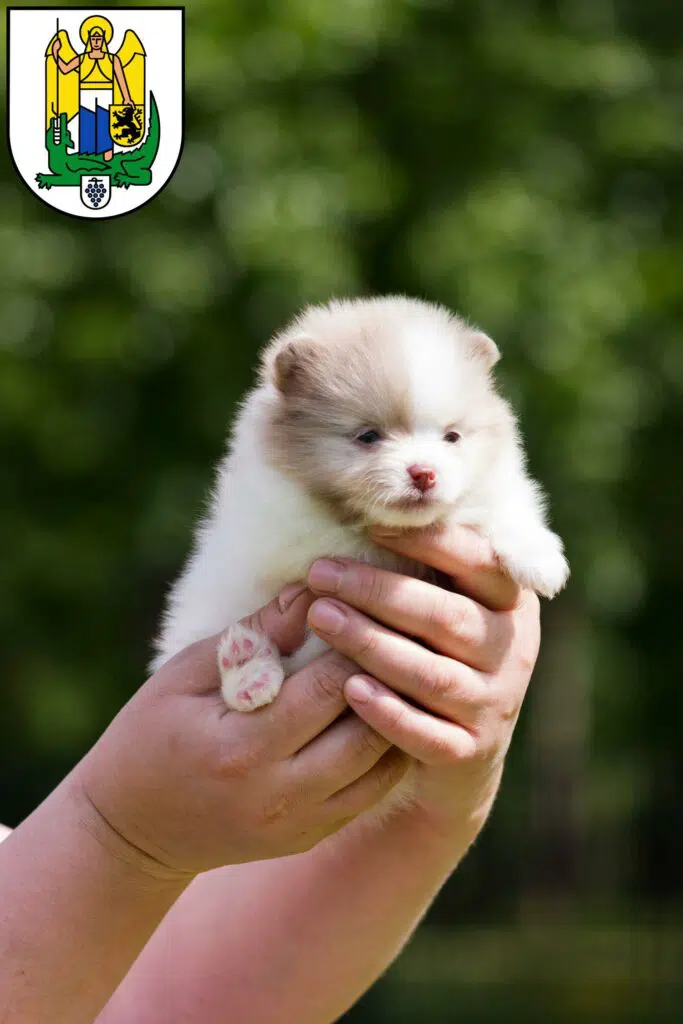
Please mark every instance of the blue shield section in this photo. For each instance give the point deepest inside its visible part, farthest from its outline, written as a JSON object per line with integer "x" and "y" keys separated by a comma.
{"x": 93, "y": 130}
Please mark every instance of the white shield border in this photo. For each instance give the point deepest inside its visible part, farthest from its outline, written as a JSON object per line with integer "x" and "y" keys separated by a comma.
{"x": 120, "y": 12}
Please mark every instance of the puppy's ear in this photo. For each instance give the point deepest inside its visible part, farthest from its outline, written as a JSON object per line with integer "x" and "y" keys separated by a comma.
{"x": 294, "y": 366}
{"x": 483, "y": 348}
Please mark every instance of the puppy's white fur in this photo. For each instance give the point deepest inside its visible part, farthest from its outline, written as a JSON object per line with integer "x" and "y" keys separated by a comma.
{"x": 297, "y": 484}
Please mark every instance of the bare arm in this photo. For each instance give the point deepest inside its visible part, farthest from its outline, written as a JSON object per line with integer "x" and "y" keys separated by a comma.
{"x": 66, "y": 68}
{"x": 67, "y": 886}
{"x": 121, "y": 79}
{"x": 173, "y": 788}
{"x": 301, "y": 939}
{"x": 63, "y": 66}
{"x": 298, "y": 939}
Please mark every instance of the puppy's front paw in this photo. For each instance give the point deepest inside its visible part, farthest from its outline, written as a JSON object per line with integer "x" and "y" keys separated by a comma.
{"x": 250, "y": 668}
{"x": 536, "y": 561}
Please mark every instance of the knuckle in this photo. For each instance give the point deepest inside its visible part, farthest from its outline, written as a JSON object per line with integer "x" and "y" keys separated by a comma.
{"x": 255, "y": 622}
{"x": 434, "y": 682}
{"x": 526, "y": 662}
{"x": 366, "y": 640}
{"x": 237, "y": 761}
{"x": 450, "y": 616}
{"x": 508, "y": 710}
{"x": 329, "y": 676}
{"x": 279, "y": 806}
{"x": 370, "y": 585}
{"x": 482, "y": 700}
{"x": 368, "y": 740}
{"x": 397, "y": 718}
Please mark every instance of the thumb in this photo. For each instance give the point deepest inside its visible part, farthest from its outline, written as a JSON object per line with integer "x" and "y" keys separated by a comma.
{"x": 283, "y": 620}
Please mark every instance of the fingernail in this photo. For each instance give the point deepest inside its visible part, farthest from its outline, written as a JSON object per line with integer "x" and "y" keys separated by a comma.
{"x": 328, "y": 617}
{"x": 386, "y": 532}
{"x": 289, "y": 594}
{"x": 360, "y": 689}
{"x": 325, "y": 575}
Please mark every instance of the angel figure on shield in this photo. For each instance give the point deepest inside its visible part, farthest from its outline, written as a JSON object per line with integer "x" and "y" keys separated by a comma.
{"x": 105, "y": 91}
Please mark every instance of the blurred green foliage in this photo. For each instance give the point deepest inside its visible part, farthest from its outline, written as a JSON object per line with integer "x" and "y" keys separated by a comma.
{"x": 519, "y": 160}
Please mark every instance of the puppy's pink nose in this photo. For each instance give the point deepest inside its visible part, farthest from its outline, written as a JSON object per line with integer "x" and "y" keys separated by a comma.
{"x": 423, "y": 477}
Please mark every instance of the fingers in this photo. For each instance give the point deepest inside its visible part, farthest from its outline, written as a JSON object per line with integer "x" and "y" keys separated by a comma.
{"x": 283, "y": 620}
{"x": 451, "y": 624}
{"x": 367, "y": 791}
{"x": 429, "y": 740}
{"x": 445, "y": 686}
{"x": 462, "y": 553}
{"x": 341, "y": 755}
{"x": 308, "y": 703}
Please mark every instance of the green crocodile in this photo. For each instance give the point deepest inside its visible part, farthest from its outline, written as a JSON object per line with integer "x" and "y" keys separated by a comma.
{"x": 132, "y": 167}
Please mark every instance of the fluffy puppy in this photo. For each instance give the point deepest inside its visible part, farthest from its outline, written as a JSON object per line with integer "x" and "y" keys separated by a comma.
{"x": 366, "y": 412}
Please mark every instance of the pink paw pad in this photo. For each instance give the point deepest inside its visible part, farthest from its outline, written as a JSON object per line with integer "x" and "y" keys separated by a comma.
{"x": 250, "y": 668}
{"x": 239, "y": 652}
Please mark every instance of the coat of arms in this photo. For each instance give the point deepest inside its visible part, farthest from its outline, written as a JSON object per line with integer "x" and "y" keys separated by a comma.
{"x": 102, "y": 132}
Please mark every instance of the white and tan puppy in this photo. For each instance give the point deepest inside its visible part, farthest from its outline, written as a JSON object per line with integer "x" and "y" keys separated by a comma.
{"x": 366, "y": 412}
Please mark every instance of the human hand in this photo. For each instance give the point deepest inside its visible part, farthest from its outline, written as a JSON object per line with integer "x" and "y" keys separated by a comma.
{"x": 469, "y": 682}
{"x": 189, "y": 786}
{"x": 56, "y": 47}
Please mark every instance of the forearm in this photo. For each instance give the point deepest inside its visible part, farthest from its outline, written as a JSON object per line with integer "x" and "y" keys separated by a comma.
{"x": 66, "y": 68}
{"x": 299, "y": 939}
{"x": 121, "y": 79}
{"x": 76, "y": 907}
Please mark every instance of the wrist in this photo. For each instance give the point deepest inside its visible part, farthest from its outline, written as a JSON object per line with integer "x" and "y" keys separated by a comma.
{"x": 456, "y": 815}
{"x": 95, "y": 829}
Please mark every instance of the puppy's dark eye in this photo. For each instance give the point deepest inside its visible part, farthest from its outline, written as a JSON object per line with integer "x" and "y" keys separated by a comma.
{"x": 452, "y": 437}
{"x": 369, "y": 437}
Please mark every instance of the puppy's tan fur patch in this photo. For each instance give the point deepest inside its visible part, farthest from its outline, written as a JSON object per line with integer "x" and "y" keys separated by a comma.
{"x": 340, "y": 368}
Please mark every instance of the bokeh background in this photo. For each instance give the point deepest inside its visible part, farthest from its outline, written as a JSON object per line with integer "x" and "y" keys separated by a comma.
{"x": 519, "y": 160}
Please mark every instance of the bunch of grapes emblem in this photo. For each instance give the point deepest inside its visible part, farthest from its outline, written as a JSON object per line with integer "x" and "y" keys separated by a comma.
{"x": 95, "y": 191}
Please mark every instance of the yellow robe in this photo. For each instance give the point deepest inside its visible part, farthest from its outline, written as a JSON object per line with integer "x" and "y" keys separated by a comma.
{"x": 62, "y": 92}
